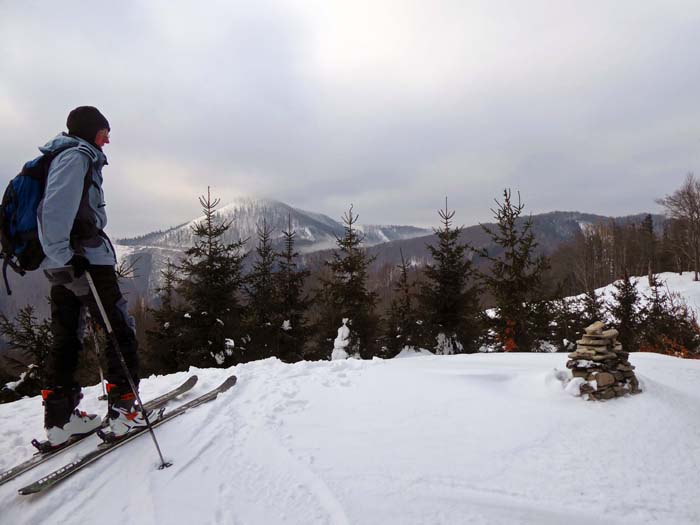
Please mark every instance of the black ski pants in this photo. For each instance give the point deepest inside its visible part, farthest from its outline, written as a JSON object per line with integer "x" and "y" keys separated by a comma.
{"x": 68, "y": 296}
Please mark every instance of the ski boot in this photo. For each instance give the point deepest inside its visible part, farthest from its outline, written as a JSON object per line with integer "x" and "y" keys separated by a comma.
{"x": 62, "y": 419}
{"x": 123, "y": 414}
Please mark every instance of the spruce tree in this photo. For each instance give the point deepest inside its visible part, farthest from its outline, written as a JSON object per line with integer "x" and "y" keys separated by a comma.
{"x": 322, "y": 318}
{"x": 347, "y": 293}
{"x": 515, "y": 278}
{"x": 262, "y": 312}
{"x": 570, "y": 315}
{"x": 33, "y": 339}
{"x": 590, "y": 309}
{"x": 165, "y": 339}
{"x": 625, "y": 311}
{"x": 210, "y": 280}
{"x": 30, "y": 336}
{"x": 566, "y": 316}
{"x": 403, "y": 330}
{"x": 293, "y": 305}
{"x": 449, "y": 299}
{"x": 656, "y": 317}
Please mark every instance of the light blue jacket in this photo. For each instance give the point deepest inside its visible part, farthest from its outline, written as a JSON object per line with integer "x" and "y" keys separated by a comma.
{"x": 70, "y": 219}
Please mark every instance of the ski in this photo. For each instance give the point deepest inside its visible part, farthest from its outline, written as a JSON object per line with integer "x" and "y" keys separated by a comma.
{"x": 103, "y": 449}
{"x": 46, "y": 452}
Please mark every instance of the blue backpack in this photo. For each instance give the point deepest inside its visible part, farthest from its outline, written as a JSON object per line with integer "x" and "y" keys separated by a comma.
{"x": 19, "y": 234}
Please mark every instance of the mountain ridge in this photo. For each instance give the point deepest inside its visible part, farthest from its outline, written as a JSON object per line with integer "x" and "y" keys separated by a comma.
{"x": 314, "y": 230}
{"x": 150, "y": 252}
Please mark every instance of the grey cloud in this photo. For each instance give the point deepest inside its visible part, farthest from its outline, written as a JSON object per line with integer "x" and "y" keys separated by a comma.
{"x": 389, "y": 105}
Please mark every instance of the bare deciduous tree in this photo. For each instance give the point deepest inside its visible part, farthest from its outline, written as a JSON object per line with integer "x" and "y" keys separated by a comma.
{"x": 683, "y": 206}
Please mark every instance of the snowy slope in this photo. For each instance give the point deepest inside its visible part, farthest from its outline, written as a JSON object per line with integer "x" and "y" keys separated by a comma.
{"x": 461, "y": 439}
{"x": 683, "y": 285}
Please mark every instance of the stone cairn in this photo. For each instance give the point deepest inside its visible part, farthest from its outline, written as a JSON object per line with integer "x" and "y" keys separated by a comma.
{"x": 601, "y": 362}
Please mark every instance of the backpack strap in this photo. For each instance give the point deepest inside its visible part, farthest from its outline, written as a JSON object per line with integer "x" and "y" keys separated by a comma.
{"x": 5, "y": 264}
{"x": 8, "y": 262}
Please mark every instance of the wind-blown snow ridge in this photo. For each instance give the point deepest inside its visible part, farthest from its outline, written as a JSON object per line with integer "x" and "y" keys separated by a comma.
{"x": 430, "y": 439}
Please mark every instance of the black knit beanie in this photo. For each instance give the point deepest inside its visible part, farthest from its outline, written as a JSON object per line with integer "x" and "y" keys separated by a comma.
{"x": 85, "y": 122}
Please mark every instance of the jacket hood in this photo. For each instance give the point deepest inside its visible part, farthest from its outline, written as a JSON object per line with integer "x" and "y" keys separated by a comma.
{"x": 63, "y": 140}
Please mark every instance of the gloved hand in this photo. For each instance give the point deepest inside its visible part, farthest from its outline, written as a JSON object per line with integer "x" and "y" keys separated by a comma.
{"x": 79, "y": 264}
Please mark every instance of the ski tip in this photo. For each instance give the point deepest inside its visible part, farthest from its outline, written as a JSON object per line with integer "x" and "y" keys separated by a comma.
{"x": 226, "y": 385}
{"x": 230, "y": 381}
{"x": 26, "y": 491}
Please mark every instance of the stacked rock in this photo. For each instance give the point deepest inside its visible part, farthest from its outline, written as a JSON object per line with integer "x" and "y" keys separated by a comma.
{"x": 602, "y": 364}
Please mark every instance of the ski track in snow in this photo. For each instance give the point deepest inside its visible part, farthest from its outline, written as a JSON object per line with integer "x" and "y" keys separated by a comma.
{"x": 476, "y": 439}
{"x": 296, "y": 484}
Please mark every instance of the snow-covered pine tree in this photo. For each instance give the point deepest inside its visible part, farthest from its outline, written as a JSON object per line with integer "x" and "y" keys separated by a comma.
{"x": 293, "y": 304}
{"x": 515, "y": 278}
{"x": 261, "y": 320}
{"x": 449, "y": 298}
{"x": 165, "y": 338}
{"x": 625, "y": 312}
{"x": 209, "y": 282}
{"x": 402, "y": 324}
{"x": 346, "y": 292}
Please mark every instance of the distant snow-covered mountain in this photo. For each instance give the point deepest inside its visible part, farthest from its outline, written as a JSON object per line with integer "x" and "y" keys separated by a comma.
{"x": 314, "y": 232}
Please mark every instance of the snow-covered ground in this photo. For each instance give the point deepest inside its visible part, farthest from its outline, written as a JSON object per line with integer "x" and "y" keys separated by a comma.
{"x": 455, "y": 439}
{"x": 487, "y": 438}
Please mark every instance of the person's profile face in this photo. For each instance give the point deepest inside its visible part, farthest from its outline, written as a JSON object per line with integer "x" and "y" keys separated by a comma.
{"x": 102, "y": 137}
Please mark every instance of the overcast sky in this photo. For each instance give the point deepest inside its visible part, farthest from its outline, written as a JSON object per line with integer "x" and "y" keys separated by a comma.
{"x": 390, "y": 105}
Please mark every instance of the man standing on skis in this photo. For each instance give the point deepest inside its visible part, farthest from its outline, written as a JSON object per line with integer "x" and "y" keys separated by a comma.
{"x": 71, "y": 221}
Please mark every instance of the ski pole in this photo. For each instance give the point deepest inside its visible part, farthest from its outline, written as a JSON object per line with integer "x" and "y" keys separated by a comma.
{"x": 115, "y": 343}
{"x": 96, "y": 344}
